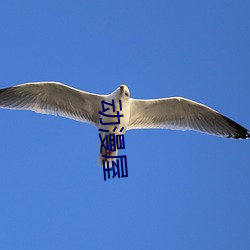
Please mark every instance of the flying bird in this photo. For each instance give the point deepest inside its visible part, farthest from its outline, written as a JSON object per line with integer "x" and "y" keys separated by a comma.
{"x": 175, "y": 113}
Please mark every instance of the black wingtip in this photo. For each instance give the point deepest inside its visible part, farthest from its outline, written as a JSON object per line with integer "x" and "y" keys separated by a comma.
{"x": 239, "y": 131}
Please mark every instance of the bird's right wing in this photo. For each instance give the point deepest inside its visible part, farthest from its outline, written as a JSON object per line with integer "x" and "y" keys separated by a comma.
{"x": 53, "y": 98}
{"x": 182, "y": 114}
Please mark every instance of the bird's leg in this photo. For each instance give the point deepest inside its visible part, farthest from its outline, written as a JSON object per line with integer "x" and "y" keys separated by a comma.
{"x": 108, "y": 153}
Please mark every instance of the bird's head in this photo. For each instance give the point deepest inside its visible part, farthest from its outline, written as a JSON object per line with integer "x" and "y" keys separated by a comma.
{"x": 124, "y": 91}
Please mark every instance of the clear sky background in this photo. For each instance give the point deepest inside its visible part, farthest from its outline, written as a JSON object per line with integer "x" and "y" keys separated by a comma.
{"x": 185, "y": 190}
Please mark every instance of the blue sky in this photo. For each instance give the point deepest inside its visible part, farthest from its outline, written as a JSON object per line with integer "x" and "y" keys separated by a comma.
{"x": 185, "y": 190}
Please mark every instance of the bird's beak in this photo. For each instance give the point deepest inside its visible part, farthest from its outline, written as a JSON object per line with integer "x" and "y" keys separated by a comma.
{"x": 122, "y": 88}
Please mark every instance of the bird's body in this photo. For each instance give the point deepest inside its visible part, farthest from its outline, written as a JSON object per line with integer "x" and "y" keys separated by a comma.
{"x": 125, "y": 111}
{"x": 167, "y": 113}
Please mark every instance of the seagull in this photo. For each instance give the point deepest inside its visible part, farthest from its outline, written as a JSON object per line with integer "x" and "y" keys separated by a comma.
{"x": 176, "y": 113}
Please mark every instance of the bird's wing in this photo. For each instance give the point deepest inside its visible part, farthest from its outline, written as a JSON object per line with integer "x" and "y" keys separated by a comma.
{"x": 53, "y": 98}
{"x": 182, "y": 114}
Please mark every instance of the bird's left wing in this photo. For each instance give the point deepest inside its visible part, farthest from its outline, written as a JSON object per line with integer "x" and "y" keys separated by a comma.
{"x": 182, "y": 114}
{"x": 53, "y": 98}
